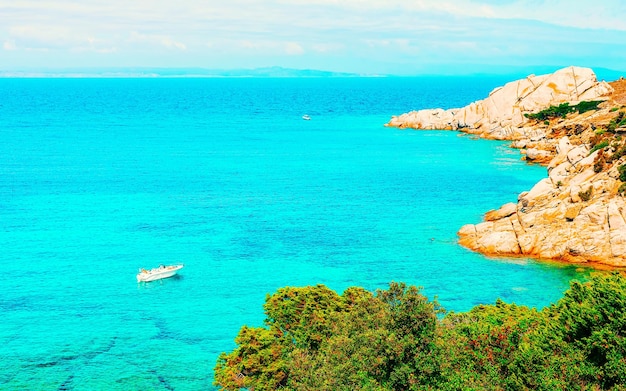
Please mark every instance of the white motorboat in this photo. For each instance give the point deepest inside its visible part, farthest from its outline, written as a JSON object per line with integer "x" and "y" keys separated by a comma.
{"x": 306, "y": 117}
{"x": 158, "y": 273}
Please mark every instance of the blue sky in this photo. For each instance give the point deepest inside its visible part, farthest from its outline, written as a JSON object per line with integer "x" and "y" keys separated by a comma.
{"x": 362, "y": 36}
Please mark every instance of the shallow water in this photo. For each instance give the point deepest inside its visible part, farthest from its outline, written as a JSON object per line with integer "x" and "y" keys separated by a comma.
{"x": 100, "y": 177}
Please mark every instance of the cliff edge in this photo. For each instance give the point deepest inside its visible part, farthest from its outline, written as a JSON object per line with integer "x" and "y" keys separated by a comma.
{"x": 575, "y": 125}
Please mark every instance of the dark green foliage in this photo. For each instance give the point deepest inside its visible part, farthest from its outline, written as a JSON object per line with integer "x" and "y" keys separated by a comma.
{"x": 586, "y": 195}
{"x": 552, "y": 112}
{"x": 393, "y": 340}
{"x": 479, "y": 345}
{"x": 600, "y": 145}
{"x": 600, "y": 161}
{"x": 587, "y": 106}
{"x": 592, "y": 320}
{"x": 622, "y": 172}
{"x": 562, "y": 110}
{"x": 617, "y": 122}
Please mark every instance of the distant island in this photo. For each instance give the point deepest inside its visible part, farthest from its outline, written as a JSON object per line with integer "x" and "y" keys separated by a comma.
{"x": 269, "y": 72}
{"x": 151, "y": 72}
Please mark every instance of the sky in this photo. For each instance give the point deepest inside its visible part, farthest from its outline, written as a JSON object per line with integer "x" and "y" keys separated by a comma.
{"x": 401, "y": 37}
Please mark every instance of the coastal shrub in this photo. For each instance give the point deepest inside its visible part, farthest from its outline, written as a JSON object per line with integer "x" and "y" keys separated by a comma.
{"x": 562, "y": 110}
{"x": 613, "y": 109}
{"x": 599, "y": 162}
{"x": 480, "y": 344}
{"x": 313, "y": 335}
{"x": 600, "y": 145}
{"x": 591, "y": 319}
{"x": 585, "y": 106}
{"x": 611, "y": 126}
{"x": 396, "y": 339}
{"x": 622, "y": 172}
{"x": 619, "y": 152}
{"x": 551, "y": 112}
{"x": 622, "y": 189}
{"x": 617, "y": 122}
{"x": 586, "y": 195}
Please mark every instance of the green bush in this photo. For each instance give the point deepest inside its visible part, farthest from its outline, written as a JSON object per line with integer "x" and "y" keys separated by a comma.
{"x": 395, "y": 340}
{"x": 552, "y": 112}
{"x": 622, "y": 172}
{"x": 602, "y": 144}
{"x": 587, "y": 106}
{"x": 586, "y": 195}
{"x": 598, "y": 165}
{"x": 562, "y": 110}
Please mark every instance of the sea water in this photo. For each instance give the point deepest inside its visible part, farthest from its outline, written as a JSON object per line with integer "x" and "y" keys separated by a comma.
{"x": 100, "y": 177}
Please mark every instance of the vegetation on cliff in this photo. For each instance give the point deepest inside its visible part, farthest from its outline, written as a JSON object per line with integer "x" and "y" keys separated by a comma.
{"x": 562, "y": 110}
{"x": 396, "y": 339}
{"x": 603, "y": 133}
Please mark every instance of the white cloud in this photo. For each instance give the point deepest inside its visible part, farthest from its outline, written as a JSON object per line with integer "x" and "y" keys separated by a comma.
{"x": 9, "y": 44}
{"x": 264, "y": 47}
{"x": 293, "y": 48}
{"x": 204, "y": 32}
{"x": 157, "y": 40}
{"x": 328, "y": 47}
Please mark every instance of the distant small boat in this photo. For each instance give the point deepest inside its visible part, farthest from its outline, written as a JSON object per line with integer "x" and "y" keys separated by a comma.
{"x": 306, "y": 117}
{"x": 158, "y": 273}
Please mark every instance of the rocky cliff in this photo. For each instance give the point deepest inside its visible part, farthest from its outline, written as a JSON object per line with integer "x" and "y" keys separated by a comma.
{"x": 573, "y": 124}
{"x": 501, "y": 115}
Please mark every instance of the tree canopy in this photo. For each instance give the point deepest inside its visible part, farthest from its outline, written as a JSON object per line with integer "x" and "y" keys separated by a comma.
{"x": 397, "y": 339}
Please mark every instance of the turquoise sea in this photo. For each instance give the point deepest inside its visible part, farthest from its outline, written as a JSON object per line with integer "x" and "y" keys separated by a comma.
{"x": 99, "y": 177}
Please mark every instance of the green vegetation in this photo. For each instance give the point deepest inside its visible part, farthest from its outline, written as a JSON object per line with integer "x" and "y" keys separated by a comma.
{"x": 600, "y": 145}
{"x": 599, "y": 163}
{"x": 397, "y": 339}
{"x": 562, "y": 110}
{"x": 586, "y": 195}
{"x": 617, "y": 122}
{"x": 622, "y": 172}
{"x": 585, "y": 106}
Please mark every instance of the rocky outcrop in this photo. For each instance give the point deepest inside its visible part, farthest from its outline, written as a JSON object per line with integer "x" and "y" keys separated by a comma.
{"x": 574, "y": 215}
{"x": 501, "y": 115}
{"x": 577, "y": 213}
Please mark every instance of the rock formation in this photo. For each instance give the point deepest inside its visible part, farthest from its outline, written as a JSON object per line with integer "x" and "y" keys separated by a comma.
{"x": 501, "y": 115}
{"x": 577, "y": 213}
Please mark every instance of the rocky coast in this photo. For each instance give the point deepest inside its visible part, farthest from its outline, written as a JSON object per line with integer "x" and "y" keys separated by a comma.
{"x": 573, "y": 124}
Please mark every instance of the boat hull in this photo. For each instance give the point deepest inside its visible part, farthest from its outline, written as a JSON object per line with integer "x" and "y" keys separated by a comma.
{"x": 158, "y": 273}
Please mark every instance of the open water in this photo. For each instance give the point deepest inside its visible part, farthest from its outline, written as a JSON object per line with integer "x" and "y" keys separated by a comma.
{"x": 99, "y": 177}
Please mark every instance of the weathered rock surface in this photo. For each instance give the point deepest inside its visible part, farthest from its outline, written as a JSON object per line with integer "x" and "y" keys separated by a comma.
{"x": 501, "y": 115}
{"x": 556, "y": 221}
{"x": 576, "y": 214}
